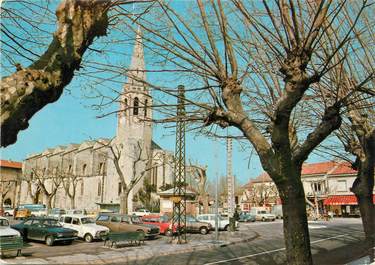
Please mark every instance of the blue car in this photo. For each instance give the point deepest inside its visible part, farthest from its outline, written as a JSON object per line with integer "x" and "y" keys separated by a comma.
{"x": 246, "y": 217}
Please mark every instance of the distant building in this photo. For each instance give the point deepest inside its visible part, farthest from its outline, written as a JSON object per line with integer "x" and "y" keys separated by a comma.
{"x": 10, "y": 175}
{"x": 326, "y": 185}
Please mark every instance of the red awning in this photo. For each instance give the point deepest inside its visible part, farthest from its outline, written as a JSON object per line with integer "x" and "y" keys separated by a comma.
{"x": 343, "y": 200}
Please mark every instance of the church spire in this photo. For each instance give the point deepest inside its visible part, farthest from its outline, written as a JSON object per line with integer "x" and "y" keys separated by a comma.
{"x": 136, "y": 70}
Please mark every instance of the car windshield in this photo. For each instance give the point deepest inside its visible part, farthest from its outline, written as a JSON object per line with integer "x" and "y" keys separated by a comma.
{"x": 191, "y": 219}
{"x": 51, "y": 223}
{"x": 4, "y": 222}
{"x": 87, "y": 220}
{"x": 136, "y": 220}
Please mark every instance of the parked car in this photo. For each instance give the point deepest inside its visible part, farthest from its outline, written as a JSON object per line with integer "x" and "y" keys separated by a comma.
{"x": 277, "y": 210}
{"x": 161, "y": 221}
{"x": 141, "y": 212}
{"x": 126, "y": 223}
{"x": 56, "y": 213}
{"x": 194, "y": 225}
{"x": 35, "y": 209}
{"x": 262, "y": 215}
{"x": 223, "y": 223}
{"x": 246, "y": 217}
{"x": 8, "y": 210}
{"x": 21, "y": 213}
{"x": 10, "y": 239}
{"x": 45, "y": 229}
{"x": 85, "y": 226}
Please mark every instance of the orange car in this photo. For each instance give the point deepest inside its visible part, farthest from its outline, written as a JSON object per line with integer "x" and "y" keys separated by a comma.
{"x": 21, "y": 213}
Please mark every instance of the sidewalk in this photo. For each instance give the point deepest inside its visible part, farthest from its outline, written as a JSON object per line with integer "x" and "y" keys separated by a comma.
{"x": 148, "y": 250}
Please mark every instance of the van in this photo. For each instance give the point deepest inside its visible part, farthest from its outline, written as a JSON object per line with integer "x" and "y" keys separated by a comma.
{"x": 277, "y": 210}
{"x": 261, "y": 214}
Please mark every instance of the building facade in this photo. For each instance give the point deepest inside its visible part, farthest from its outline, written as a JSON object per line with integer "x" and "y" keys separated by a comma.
{"x": 327, "y": 189}
{"x": 86, "y": 175}
{"x": 10, "y": 175}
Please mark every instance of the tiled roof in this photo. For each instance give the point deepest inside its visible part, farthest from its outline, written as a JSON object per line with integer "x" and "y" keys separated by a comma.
{"x": 308, "y": 169}
{"x": 10, "y": 164}
{"x": 330, "y": 167}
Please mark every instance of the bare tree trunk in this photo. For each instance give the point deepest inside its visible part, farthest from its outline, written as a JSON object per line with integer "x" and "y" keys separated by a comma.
{"x": 363, "y": 188}
{"x": 49, "y": 203}
{"x": 296, "y": 233}
{"x": 124, "y": 202}
{"x": 72, "y": 202}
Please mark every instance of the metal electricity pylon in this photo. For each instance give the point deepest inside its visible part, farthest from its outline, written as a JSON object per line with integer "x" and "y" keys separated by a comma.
{"x": 179, "y": 189}
{"x": 230, "y": 179}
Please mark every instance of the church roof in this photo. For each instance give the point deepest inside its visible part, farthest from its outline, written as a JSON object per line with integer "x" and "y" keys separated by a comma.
{"x": 155, "y": 146}
{"x": 136, "y": 69}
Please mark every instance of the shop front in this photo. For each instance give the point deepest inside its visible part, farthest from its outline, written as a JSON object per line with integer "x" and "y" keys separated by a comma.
{"x": 343, "y": 205}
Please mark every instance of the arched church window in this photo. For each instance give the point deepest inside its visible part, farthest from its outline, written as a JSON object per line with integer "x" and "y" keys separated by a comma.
{"x": 84, "y": 169}
{"x": 101, "y": 168}
{"x": 136, "y": 106}
{"x": 145, "y": 107}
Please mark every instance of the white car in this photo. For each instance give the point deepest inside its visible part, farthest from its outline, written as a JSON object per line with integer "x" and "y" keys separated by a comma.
{"x": 141, "y": 212}
{"x": 8, "y": 210}
{"x": 223, "y": 222}
{"x": 10, "y": 238}
{"x": 85, "y": 226}
{"x": 263, "y": 215}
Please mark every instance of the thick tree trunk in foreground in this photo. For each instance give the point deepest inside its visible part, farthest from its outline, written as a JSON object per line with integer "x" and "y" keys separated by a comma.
{"x": 363, "y": 188}
{"x": 28, "y": 90}
{"x": 296, "y": 233}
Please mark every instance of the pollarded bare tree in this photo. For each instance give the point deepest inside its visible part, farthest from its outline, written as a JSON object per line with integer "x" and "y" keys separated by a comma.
{"x": 200, "y": 174}
{"x": 48, "y": 182}
{"x": 70, "y": 182}
{"x": 140, "y": 165}
{"x": 250, "y": 65}
{"x": 357, "y": 134}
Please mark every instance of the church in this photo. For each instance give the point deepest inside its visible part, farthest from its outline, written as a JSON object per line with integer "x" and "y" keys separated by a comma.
{"x": 88, "y": 175}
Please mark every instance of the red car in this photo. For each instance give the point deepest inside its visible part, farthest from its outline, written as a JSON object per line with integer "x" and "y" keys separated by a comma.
{"x": 161, "y": 221}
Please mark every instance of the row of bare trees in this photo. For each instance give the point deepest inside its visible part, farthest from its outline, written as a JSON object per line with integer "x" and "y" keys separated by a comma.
{"x": 285, "y": 75}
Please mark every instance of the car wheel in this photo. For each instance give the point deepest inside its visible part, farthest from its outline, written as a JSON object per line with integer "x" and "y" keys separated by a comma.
{"x": 226, "y": 228}
{"x": 169, "y": 232}
{"x": 203, "y": 230}
{"x": 88, "y": 238}
{"x": 49, "y": 240}
{"x": 263, "y": 219}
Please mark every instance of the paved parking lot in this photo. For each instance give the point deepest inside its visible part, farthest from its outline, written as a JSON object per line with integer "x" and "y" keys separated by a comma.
{"x": 256, "y": 238}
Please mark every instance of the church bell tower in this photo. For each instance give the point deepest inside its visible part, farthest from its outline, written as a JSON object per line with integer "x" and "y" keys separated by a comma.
{"x": 134, "y": 128}
{"x": 134, "y": 118}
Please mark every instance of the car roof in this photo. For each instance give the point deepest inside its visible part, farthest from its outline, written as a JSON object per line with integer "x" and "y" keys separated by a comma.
{"x": 40, "y": 218}
{"x": 153, "y": 215}
{"x": 75, "y": 215}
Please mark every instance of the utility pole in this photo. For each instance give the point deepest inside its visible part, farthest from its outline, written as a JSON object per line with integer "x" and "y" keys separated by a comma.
{"x": 179, "y": 189}
{"x": 230, "y": 179}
